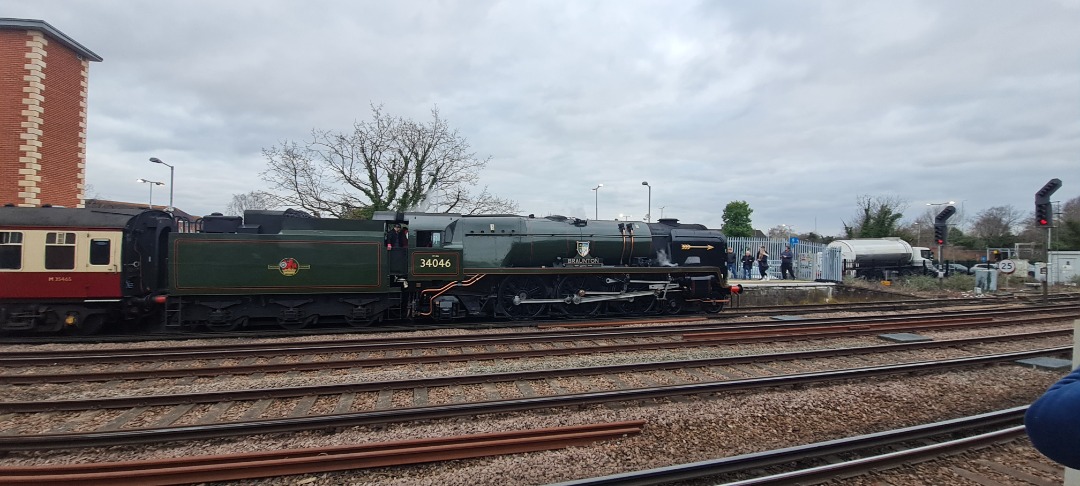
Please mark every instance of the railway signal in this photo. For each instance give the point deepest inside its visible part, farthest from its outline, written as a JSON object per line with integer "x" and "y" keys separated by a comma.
{"x": 1044, "y": 215}
{"x": 1044, "y": 211}
{"x": 941, "y": 225}
{"x": 1044, "y": 218}
{"x": 940, "y": 232}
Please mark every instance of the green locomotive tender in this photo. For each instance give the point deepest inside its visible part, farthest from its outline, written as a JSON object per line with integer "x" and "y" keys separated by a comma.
{"x": 274, "y": 266}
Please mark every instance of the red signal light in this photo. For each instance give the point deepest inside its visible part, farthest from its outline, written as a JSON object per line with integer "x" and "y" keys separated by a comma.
{"x": 1043, "y": 222}
{"x": 941, "y": 242}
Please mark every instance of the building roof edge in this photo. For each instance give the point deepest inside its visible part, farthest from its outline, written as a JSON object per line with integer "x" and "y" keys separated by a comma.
{"x": 33, "y": 24}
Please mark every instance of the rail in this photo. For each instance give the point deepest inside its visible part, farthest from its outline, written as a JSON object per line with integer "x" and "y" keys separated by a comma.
{"x": 822, "y": 451}
{"x": 200, "y": 469}
{"x": 191, "y": 432}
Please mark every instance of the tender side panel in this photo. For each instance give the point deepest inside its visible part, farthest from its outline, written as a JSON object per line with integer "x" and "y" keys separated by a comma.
{"x": 60, "y": 263}
{"x": 236, "y": 264}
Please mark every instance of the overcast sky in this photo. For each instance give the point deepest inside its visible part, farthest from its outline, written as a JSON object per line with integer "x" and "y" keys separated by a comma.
{"x": 797, "y": 107}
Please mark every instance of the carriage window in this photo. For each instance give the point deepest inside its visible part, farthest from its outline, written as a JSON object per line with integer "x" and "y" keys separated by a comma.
{"x": 10, "y": 250}
{"x": 99, "y": 252}
{"x": 60, "y": 251}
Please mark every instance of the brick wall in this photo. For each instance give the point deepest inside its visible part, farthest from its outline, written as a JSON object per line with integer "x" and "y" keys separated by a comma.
{"x": 12, "y": 58}
{"x": 42, "y": 121}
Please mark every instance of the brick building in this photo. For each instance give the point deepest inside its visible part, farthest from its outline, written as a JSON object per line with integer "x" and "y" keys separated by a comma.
{"x": 43, "y": 85}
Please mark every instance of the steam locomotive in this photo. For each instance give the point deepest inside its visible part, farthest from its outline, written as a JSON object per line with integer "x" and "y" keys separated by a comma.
{"x": 79, "y": 269}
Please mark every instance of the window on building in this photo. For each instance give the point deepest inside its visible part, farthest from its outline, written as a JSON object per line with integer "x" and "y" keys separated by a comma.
{"x": 60, "y": 251}
{"x": 100, "y": 253}
{"x": 10, "y": 250}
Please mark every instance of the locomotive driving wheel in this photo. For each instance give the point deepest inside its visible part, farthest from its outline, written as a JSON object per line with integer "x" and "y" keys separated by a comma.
{"x": 712, "y": 306}
{"x": 672, "y": 305}
{"x": 635, "y": 306}
{"x": 516, "y": 289}
{"x": 573, "y": 288}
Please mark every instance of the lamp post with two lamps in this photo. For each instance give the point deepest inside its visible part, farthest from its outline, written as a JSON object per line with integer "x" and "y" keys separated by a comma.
{"x": 171, "y": 169}
{"x": 152, "y": 184}
{"x": 596, "y": 202}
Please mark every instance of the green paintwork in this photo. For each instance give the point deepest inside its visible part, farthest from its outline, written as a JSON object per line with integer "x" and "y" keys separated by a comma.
{"x": 501, "y": 242}
{"x": 313, "y": 263}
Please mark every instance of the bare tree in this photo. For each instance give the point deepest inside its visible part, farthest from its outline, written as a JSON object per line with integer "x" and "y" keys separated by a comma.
{"x": 251, "y": 200}
{"x": 878, "y": 217}
{"x": 780, "y": 232}
{"x": 388, "y": 163}
{"x": 994, "y": 226}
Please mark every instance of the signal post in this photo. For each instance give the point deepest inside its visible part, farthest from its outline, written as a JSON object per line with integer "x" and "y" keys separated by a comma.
{"x": 941, "y": 234}
{"x": 1044, "y": 218}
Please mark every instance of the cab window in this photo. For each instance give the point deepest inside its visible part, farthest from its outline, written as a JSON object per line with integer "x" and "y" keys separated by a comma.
{"x": 429, "y": 239}
{"x": 100, "y": 253}
{"x": 10, "y": 250}
{"x": 60, "y": 251}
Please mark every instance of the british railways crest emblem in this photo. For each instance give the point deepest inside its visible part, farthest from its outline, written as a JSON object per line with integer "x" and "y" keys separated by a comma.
{"x": 583, "y": 249}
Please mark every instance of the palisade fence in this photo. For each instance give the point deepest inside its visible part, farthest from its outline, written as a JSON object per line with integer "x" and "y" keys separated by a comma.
{"x": 813, "y": 261}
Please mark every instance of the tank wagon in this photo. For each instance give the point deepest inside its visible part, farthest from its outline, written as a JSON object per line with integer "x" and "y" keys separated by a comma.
{"x": 872, "y": 257}
{"x": 294, "y": 270}
{"x": 64, "y": 268}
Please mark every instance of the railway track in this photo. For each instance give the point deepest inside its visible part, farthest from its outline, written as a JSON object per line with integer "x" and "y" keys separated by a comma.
{"x": 218, "y": 361}
{"x": 232, "y": 467}
{"x": 623, "y": 329}
{"x": 884, "y": 306}
{"x": 168, "y": 414}
{"x": 732, "y": 366}
{"x": 116, "y": 429}
{"x": 837, "y": 459}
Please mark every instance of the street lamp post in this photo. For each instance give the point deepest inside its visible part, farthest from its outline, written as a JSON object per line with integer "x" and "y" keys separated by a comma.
{"x": 596, "y": 202}
{"x": 171, "y": 169}
{"x": 648, "y": 215}
{"x": 152, "y": 184}
{"x": 662, "y": 212}
{"x": 918, "y": 229}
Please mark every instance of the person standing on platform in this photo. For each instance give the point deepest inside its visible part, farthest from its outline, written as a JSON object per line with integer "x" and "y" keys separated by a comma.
{"x": 786, "y": 258}
{"x": 732, "y": 260}
{"x": 763, "y": 262}
{"x": 747, "y": 264}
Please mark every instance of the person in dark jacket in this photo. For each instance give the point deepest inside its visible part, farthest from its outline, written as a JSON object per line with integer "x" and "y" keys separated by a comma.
{"x": 732, "y": 260}
{"x": 1053, "y": 421}
{"x": 786, "y": 258}
{"x": 763, "y": 262}
{"x": 747, "y": 264}
{"x": 396, "y": 238}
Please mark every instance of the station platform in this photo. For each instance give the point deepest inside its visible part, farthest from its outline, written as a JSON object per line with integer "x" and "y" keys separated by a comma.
{"x": 782, "y": 292}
